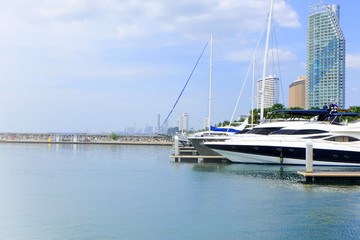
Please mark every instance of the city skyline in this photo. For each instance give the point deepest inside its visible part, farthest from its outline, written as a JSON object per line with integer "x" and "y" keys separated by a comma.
{"x": 79, "y": 65}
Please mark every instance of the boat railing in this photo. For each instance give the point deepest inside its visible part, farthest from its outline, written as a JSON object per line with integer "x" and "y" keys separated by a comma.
{"x": 287, "y": 120}
{"x": 294, "y": 138}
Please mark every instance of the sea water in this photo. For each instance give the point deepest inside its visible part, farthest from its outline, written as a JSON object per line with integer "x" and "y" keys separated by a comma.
{"x": 138, "y": 192}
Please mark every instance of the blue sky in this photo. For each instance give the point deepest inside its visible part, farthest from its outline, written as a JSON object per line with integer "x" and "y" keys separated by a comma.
{"x": 78, "y": 65}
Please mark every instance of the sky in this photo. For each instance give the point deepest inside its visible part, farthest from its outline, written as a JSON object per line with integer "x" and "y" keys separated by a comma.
{"x": 103, "y": 66}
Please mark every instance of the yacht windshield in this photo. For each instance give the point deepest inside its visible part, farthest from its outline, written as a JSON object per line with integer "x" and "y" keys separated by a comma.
{"x": 342, "y": 139}
{"x": 264, "y": 131}
{"x": 299, "y": 131}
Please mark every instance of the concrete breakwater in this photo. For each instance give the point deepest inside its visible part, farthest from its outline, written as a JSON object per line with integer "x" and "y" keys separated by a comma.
{"x": 83, "y": 138}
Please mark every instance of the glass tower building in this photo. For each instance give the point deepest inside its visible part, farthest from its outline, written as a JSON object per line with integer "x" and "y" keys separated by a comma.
{"x": 325, "y": 57}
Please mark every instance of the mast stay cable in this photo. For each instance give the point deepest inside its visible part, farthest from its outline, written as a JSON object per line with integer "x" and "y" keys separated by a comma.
{"x": 177, "y": 100}
{"x": 247, "y": 73}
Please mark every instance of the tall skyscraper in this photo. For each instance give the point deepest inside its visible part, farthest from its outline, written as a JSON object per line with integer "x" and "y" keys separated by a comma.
{"x": 271, "y": 95}
{"x": 297, "y": 96}
{"x": 183, "y": 122}
{"x": 158, "y": 124}
{"x": 325, "y": 57}
{"x": 206, "y": 123}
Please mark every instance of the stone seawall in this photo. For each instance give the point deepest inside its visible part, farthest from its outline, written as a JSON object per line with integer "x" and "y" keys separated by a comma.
{"x": 82, "y": 138}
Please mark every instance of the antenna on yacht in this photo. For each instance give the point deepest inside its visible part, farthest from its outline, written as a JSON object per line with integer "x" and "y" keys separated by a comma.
{"x": 210, "y": 97}
{"x": 265, "y": 62}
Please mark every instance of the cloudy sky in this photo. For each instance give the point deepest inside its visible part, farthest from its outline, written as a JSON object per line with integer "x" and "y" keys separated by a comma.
{"x": 86, "y": 65}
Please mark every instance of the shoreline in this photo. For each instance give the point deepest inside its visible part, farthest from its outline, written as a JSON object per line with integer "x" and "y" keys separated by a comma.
{"x": 91, "y": 143}
{"x": 83, "y": 138}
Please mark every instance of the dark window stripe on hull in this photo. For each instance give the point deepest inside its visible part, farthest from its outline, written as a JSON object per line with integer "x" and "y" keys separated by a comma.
{"x": 295, "y": 153}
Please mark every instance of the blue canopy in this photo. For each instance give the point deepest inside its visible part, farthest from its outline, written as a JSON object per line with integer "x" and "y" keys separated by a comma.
{"x": 223, "y": 129}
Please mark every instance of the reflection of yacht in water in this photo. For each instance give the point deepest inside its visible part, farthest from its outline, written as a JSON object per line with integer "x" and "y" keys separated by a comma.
{"x": 333, "y": 143}
{"x": 271, "y": 173}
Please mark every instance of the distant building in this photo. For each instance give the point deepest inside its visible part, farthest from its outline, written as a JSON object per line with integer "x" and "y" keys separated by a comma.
{"x": 130, "y": 130}
{"x": 184, "y": 122}
{"x": 325, "y": 57}
{"x": 297, "y": 93}
{"x": 271, "y": 95}
{"x": 206, "y": 123}
{"x": 158, "y": 124}
{"x": 148, "y": 129}
{"x": 165, "y": 128}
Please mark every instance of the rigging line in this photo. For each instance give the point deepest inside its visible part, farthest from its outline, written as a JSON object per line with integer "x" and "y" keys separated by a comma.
{"x": 177, "y": 100}
{"x": 242, "y": 88}
{"x": 272, "y": 49}
{"x": 278, "y": 62}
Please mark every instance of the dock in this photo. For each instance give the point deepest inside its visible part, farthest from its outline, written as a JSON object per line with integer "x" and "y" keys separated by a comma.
{"x": 190, "y": 154}
{"x": 328, "y": 177}
{"x": 331, "y": 177}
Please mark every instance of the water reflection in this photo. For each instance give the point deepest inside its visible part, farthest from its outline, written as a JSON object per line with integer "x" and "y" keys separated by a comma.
{"x": 277, "y": 174}
{"x": 253, "y": 170}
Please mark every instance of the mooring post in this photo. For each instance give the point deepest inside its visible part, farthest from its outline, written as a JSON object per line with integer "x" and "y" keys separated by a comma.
{"x": 177, "y": 150}
{"x": 309, "y": 156}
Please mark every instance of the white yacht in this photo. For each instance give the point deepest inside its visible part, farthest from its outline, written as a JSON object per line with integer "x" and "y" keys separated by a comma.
{"x": 215, "y": 134}
{"x": 334, "y": 144}
{"x": 294, "y": 118}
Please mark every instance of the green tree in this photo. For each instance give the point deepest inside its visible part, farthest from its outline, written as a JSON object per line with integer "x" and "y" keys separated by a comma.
{"x": 113, "y": 136}
{"x": 277, "y": 106}
{"x": 353, "y": 109}
{"x": 172, "y": 130}
{"x": 296, "y": 108}
{"x": 225, "y": 123}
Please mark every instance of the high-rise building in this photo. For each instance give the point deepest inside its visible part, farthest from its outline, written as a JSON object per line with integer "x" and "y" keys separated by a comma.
{"x": 271, "y": 95}
{"x": 158, "y": 124}
{"x": 206, "y": 123}
{"x": 297, "y": 96}
{"x": 184, "y": 122}
{"x": 325, "y": 57}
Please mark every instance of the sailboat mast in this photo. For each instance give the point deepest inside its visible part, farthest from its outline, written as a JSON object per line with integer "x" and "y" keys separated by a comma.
{"x": 210, "y": 87}
{"x": 252, "y": 95}
{"x": 265, "y": 62}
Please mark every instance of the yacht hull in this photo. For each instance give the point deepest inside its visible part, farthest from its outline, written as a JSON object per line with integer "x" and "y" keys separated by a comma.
{"x": 201, "y": 148}
{"x": 289, "y": 154}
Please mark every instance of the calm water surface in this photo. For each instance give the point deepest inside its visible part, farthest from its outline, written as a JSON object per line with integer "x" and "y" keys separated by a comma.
{"x": 138, "y": 192}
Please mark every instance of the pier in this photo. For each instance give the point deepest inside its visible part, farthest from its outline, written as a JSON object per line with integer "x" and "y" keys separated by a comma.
{"x": 189, "y": 154}
{"x": 326, "y": 177}
{"x": 84, "y": 138}
{"x": 186, "y": 153}
{"x": 332, "y": 177}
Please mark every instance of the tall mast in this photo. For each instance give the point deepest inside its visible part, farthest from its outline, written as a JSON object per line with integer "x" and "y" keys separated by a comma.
{"x": 265, "y": 62}
{"x": 252, "y": 95}
{"x": 211, "y": 62}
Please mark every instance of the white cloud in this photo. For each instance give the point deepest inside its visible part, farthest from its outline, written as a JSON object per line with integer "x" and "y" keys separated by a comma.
{"x": 247, "y": 54}
{"x": 285, "y": 15}
{"x": 353, "y": 61}
{"x": 284, "y": 55}
{"x": 86, "y": 47}
{"x": 56, "y": 22}
{"x": 240, "y": 56}
{"x": 303, "y": 65}
{"x": 131, "y": 32}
